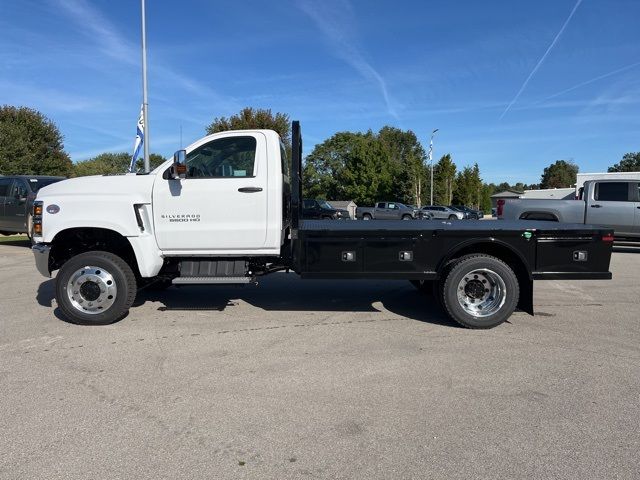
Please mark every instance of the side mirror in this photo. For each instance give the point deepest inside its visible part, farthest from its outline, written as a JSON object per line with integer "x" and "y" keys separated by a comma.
{"x": 180, "y": 164}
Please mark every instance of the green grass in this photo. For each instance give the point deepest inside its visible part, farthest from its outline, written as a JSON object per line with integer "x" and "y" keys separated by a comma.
{"x": 13, "y": 238}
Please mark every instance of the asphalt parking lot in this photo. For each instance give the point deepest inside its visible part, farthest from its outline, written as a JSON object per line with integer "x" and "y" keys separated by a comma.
{"x": 320, "y": 379}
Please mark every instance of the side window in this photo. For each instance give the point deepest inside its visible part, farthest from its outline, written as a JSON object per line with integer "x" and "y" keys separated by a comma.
{"x": 380, "y": 205}
{"x": 392, "y": 206}
{"x": 222, "y": 158}
{"x": 5, "y": 184}
{"x": 286, "y": 166}
{"x": 612, "y": 192}
{"x": 308, "y": 203}
{"x": 20, "y": 189}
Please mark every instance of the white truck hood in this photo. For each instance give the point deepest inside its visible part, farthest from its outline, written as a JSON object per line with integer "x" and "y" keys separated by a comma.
{"x": 137, "y": 187}
{"x": 106, "y": 202}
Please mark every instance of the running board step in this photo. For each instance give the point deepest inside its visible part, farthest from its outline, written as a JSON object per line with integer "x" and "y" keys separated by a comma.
{"x": 212, "y": 280}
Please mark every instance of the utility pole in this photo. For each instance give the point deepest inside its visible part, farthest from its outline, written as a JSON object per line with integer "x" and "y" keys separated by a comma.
{"x": 430, "y": 160}
{"x": 145, "y": 104}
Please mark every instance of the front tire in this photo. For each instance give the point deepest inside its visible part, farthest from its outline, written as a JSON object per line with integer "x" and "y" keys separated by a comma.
{"x": 407, "y": 217}
{"x": 95, "y": 288}
{"x": 480, "y": 291}
{"x": 453, "y": 217}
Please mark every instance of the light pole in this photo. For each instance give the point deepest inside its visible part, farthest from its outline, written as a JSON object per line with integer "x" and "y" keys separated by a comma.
{"x": 431, "y": 161}
{"x": 145, "y": 104}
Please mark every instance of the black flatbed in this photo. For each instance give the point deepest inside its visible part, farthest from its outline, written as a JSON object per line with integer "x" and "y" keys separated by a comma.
{"x": 466, "y": 226}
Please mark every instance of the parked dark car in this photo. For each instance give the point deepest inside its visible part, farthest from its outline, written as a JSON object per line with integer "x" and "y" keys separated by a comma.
{"x": 470, "y": 213}
{"x": 17, "y": 193}
{"x": 322, "y": 210}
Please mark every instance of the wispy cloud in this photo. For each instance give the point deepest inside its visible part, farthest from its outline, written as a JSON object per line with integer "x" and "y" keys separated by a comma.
{"x": 48, "y": 99}
{"x": 335, "y": 21}
{"x": 588, "y": 82}
{"x": 95, "y": 25}
{"x": 542, "y": 59}
{"x": 114, "y": 44}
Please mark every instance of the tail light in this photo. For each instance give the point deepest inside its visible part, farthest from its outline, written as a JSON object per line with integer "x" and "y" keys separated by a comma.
{"x": 608, "y": 237}
{"x": 37, "y": 218}
{"x": 500, "y": 209}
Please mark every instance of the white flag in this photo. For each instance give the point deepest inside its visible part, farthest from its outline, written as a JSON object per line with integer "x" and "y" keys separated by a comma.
{"x": 139, "y": 140}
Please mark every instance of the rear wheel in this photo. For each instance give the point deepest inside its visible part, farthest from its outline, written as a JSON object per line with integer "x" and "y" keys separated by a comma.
{"x": 480, "y": 291}
{"x": 366, "y": 216}
{"x": 95, "y": 288}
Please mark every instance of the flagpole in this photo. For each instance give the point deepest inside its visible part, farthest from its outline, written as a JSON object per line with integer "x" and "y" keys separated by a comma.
{"x": 145, "y": 105}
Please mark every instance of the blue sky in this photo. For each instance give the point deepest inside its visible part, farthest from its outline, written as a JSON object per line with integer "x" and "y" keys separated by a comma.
{"x": 513, "y": 85}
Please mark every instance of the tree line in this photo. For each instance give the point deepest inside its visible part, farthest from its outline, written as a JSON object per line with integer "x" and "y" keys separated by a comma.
{"x": 365, "y": 167}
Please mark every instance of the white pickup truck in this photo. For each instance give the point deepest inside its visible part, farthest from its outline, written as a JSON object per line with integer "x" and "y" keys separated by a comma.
{"x": 614, "y": 203}
{"x": 227, "y": 210}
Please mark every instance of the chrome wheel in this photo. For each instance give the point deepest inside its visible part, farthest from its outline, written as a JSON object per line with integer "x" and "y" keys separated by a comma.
{"x": 481, "y": 292}
{"x": 91, "y": 290}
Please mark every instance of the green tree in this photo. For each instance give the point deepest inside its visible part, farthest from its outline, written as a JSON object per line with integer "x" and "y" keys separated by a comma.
{"x": 351, "y": 166}
{"x": 468, "y": 187}
{"x": 630, "y": 163}
{"x": 30, "y": 144}
{"x": 112, "y": 163}
{"x": 406, "y": 158}
{"x": 251, "y": 118}
{"x": 560, "y": 174}
{"x": 444, "y": 180}
{"x": 488, "y": 189}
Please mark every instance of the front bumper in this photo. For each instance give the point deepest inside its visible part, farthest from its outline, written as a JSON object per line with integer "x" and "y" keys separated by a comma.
{"x": 41, "y": 253}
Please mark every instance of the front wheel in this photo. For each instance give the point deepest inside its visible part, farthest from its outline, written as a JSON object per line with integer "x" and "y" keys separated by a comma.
{"x": 452, "y": 217}
{"x": 95, "y": 288}
{"x": 407, "y": 217}
{"x": 480, "y": 291}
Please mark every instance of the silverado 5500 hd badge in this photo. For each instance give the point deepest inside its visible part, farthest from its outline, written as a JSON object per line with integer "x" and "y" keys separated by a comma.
{"x": 182, "y": 218}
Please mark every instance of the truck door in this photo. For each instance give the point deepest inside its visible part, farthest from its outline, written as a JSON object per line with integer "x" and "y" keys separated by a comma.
{"x": 386, "y": 211}
{"x": 612, "y": 204}
{"x": 15, "y": 206}
{"x": 5, "y": 187}
{"x": 222, "y": 204}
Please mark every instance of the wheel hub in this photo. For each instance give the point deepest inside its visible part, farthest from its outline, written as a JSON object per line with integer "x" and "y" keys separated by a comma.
{"x": 91, "y": 290}
{"x": 481, "y": 292}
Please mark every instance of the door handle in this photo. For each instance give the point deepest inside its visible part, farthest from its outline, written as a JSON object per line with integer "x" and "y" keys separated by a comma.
{"x": 250, "y": 189}
{"x": 596, "y": 206}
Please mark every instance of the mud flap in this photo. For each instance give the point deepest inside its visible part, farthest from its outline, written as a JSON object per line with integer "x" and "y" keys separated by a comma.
{"x": 525, "y": 303}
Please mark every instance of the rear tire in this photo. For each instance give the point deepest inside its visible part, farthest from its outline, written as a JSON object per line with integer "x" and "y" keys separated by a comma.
{"x": 95, "y": 288}
{"x": 480, "y": 291}
{"x": 366, "y": 216}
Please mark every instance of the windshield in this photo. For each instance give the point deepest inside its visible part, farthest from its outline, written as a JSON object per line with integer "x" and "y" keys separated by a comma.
{"x": 325, "y": 204}
{"x": 37, "y": 183}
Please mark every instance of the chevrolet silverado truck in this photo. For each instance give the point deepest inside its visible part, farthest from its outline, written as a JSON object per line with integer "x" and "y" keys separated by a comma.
{"x": 612, "y": 203}
{"x": 387, "y": 211}
{"x": 227, "y": 211}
